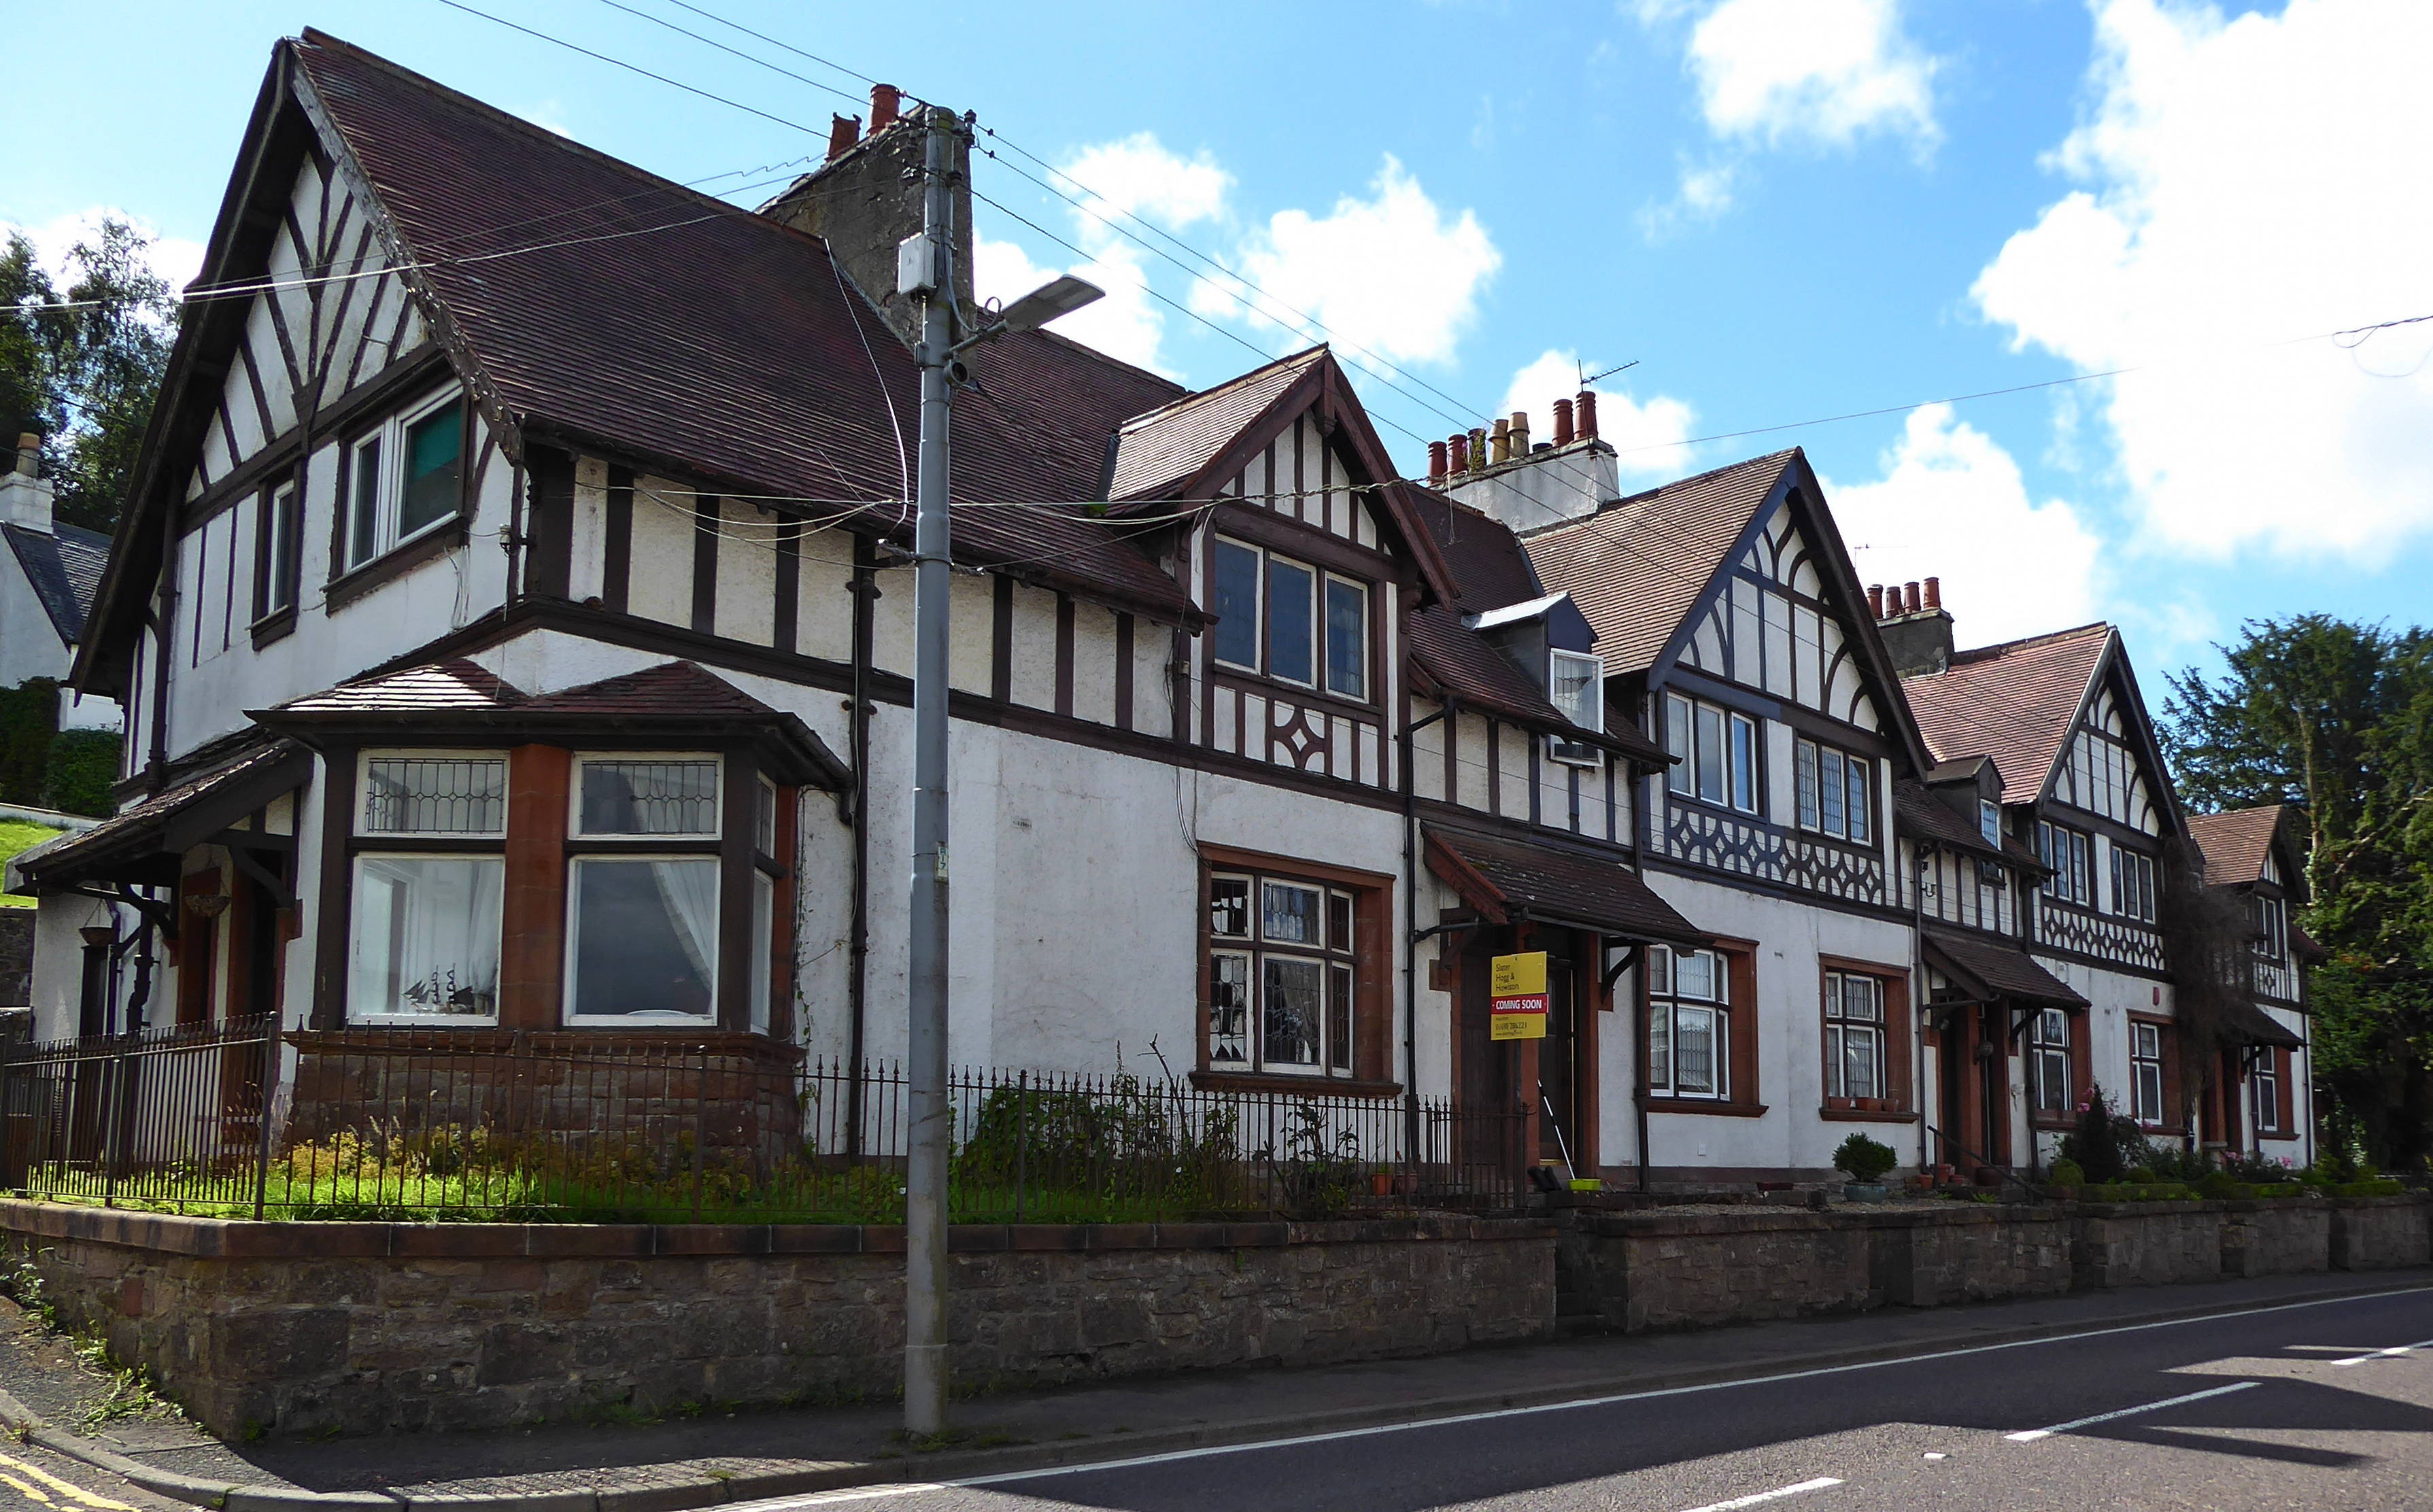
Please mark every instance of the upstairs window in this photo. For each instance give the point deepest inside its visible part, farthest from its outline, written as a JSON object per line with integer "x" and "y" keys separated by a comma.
{"x": 2070, "y": 857}
{"x": 2133, "y": 884}
{"x": 1289, "y": 620}
{"x": 405, "y": 479}
{"x": 2272, "y": 929}
{"x": 1836, "y": 793}
{"x": 1576, "y": 684}
{"x": 1717, "y": 750}
{"x": 1989, "y": 821}
{"x": 276, "y": 557}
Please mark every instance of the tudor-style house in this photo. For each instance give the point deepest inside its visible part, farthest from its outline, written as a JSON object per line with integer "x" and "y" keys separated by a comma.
{"x": 47, "y": 576}
{"x": 513, "y": 621}
{"x": 2256, "y": 858}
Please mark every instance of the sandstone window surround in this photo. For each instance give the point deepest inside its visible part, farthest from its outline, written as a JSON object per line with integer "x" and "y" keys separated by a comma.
{"x": 2268, "y": 1093}
{"x": 1865, "y": 1039}
{"x": 1702, "y": 1028}
{"x": 536, "y": 885}
{"x": 2153, "y": 1074}
{"x": 1293, "y": 984}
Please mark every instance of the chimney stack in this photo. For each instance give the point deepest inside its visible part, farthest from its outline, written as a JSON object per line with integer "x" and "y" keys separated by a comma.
{"x": 1915, "y": 627}
{"x": 1876, "y": 602}
{"x": 1933, "y": 594}
{"x": 1562, "y": 422}
{"x": 1436, "y": 464}
{"x": 886, "y": 102}
{"x": 1585, "y": 413}
{"x": 1520, "y": 432}
{"x": 25, "y": 494}
{"x": 1458, "y": 463}
{"x": 868, "y": 196}
{"x": 843, "y": 131}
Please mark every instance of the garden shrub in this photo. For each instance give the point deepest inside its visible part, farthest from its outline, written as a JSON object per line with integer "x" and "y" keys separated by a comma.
{"x": 2067, "y": 1172}
{"x": 1867, "y": 1159}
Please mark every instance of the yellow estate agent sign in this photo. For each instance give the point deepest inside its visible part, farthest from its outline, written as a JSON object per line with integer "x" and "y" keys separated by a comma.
{"x": 1518, "y": 988}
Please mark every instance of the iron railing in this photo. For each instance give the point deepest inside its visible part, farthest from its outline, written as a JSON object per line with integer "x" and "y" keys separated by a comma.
{"x": 234, "y": 1119}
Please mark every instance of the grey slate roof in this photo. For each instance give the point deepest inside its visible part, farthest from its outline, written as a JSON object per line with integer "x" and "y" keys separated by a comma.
{"x": 65, "y": 570}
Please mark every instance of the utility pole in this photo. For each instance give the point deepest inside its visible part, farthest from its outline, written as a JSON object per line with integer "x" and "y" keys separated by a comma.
{"x": 928, "y": 260}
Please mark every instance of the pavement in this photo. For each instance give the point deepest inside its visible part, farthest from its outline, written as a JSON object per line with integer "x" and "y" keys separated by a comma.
{"x": 1880, "y": 1370}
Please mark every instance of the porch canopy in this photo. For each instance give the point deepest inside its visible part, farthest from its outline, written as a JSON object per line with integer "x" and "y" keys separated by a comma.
{"x": 142, "y": 847}
{"x": 1509, "y": 880}
{"x": 2243, "y": 1023}
{"x": 1988, "y": 970}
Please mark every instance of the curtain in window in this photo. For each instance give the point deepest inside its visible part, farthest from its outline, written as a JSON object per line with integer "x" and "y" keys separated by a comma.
{"x": 691, "y": 889}
{"x": 426, "y": 936}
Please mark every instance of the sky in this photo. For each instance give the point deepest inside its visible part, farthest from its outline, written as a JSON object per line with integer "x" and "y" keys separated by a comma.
{"x": 1782, "y": 212}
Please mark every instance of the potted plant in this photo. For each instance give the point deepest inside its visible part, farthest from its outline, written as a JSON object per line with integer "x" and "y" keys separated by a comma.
{"x": 2065, "y": 1179}
{"x": 1865, "y": 1160}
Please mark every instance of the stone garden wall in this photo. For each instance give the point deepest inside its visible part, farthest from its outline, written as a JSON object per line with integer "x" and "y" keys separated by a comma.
{"x": 375, "y": 1327}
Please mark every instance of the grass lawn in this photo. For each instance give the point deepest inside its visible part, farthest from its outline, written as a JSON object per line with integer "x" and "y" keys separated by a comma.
{"x": 15, "y": 835}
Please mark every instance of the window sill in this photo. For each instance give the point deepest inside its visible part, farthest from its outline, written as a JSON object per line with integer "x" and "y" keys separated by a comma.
{"x": 276, "y": 625}
{"x": 2277, "y": 1136}
{"x": 1863, "y": 1115}
{"x": 1285, "y": 1081}
{"x": 357, "y": 581}
{"x": 1706, "y": 1105}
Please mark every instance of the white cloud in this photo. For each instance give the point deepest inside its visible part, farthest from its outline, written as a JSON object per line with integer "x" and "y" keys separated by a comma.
{"x": 1391, "y": 275}
{"x": 1645, "y": 436}
{"x": 1951, "y": 504}
{"x": 1137, "y": 175}
{"x": 1705, "y": 193}
{"x": 174, "y": 258}
{"x": 1124, "y": 325}
{"x": 1824, "y": 71}
{"x": 2244, "y": 182}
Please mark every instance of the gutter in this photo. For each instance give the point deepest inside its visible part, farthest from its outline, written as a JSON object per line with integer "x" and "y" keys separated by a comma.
{"x": 865, "y": 597}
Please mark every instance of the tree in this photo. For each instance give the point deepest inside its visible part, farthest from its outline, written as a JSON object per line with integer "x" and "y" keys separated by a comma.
{"x": 2338, "y": 718}
{"x": 81, "y": 370}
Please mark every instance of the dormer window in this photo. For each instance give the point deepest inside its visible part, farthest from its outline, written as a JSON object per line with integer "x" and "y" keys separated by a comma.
{"x": 1287, "y": 619}
{"x": 1989, "y": 821}
{"x": 1576, "y": 684}
{"x": 404, "y": 479}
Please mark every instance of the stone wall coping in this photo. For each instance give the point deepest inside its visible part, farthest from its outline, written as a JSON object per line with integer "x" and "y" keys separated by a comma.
{"x": 1657, "y": 1223}
{"x": 244, "y": 1239}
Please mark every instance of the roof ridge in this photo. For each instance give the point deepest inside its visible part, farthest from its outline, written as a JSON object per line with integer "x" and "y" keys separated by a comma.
{"x": 1643, "y": 494}
{"x": 314, "y": 37}
{"x": 2001, "y": 647}
{"x": 1132, "y": 421}
{"x": 1108, "y": 358}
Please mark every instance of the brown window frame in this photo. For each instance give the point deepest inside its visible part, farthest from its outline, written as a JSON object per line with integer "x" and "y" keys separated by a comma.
{"x": 1367, "y": 1009}
{"x": 1741, "y": 1097}
{"x": 1896, "y": 1101}
{"x": 2166, "y": 1056}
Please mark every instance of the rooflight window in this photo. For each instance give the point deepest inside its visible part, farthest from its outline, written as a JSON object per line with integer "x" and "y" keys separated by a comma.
{"x": 406, "y": 477}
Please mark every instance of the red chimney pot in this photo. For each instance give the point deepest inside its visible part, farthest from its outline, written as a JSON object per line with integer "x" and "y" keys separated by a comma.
{"x": 1585, "y": 412}
{"x": 1909, "y": 598}
{"x": 843, "y": 131}
{"x": 1934, "y": 593}
{"x": 1876, "y": 602}
{"x": 1458, "y": 462}
{"x": 1562, "y": 422}
{"x": 886, "y": 103}
{"x": 1436, "y": 462}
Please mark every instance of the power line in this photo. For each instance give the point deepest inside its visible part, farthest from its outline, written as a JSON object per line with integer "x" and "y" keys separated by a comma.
{"x": 618, "y": 4}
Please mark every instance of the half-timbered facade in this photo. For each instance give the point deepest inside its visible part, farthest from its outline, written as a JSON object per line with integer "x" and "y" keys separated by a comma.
{"x": 514, "y": 617}
{"x": 2256, "y": 859}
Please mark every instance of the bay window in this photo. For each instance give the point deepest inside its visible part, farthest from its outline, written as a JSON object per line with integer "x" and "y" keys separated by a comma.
{"x": 1282, "y": 970}
{"x": 642, "y": 890}
{"x": 404, "y": 479}
{"x": 1688, "y": 1023}
{"x": 1854, "y": 1035}
{"x": 1717, "y": 752}
{"x": 1835, "y": 791}
{"x": 1289, "y": 620}
{"x": 428, "y": 878}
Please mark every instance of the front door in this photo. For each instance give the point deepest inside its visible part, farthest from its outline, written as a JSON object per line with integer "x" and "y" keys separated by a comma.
{"x": 1488, "y": 1101}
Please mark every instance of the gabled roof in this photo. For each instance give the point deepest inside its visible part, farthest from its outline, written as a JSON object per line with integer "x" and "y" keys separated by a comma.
{"x": 1922, "y": 816}
{"x": 1506, "y": 878}
{"x": 64, "y": 565}
{"x": 2015, "y": 702}
{"x": 1169, "y": 448}
{"x": 1638, "y": 566}
{"x": 2237, "y": 841}
{"x": 648, "y": 322}
{"x": 142, "y": 843}
{"x": 1987, "y": 967}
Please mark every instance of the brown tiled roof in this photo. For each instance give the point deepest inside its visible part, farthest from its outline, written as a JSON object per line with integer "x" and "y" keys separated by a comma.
{"x": 1923, "y": 816}
{"x": 1502, "y": 876}
{"x": 676, "y": 688}
{"x": 2243, "y": 1023}
{"x": 179, "y": 815}
{"x": 717, "y": 342}
{"x": 2014, "y": 701}
{"x": 1490, "y": 568}
{"x": 433, "y": 687}
{"x": 2236, "y": 842}
{"x": 1996, "y": 968}
{"x": 1159, "y": 451}
{"x": 1636, "y": 567}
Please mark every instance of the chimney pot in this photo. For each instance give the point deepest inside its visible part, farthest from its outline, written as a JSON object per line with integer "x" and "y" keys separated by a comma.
{"x": 1520, "y": 432}
{"x": 1562, "y": 422}
{"x": 886, "y": 103}
{"x": 1909, "y": 597}
{"x": 1436, "y": 462}
{"x": 29, "y": 453}
{"x": 1501, "y": 441}
{"x": 1458, "y": 462}
{"x": 1876, "y": 602}
{"x": 843, "y": 131}
{"x": 1586, "y": 415}
{"x": 1934, "y": 593}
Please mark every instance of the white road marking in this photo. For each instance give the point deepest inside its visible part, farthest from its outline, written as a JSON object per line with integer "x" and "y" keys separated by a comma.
{"x": 1092, "y": 1467}
{"x": 1776, "y": 1494}
{"x": 2388, "y": 1354}
{"x": 2035, "y": 1434}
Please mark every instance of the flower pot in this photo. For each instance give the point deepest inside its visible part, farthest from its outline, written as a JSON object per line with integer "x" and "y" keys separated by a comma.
{"x": 1866, "y": 1192}
{"x": 1839, "y": 1104}
{"x": 1381, "y": 1183}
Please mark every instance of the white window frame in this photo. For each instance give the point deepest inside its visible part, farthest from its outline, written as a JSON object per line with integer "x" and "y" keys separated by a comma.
{"x": 573, "y": 1014}
{"x": 2141, "y": 1035}
{"x": 1681, "y": 739}
{"x": 364, "y": 760}
{"x": 574, "y": 830}
{"x": 1807, "y": 766}
{"x": 2045, "y": 1053}
{"x": 281, "y": 528}
{"x": 1667, "y": 1004}
{"x": 354, "y": 922}
{"x": 390, "y": 437}
{"x": 1989, "y": 822}
{"x": 2264, "y": 1112}
{"x": 1576, "y": 752}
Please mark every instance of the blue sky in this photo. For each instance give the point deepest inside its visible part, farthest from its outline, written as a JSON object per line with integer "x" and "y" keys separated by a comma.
{"x": 1779, "y": 208}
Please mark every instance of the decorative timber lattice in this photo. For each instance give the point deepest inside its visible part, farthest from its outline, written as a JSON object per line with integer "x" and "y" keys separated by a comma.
{"x": 2102, "y": 935}
{"x": 1744, "y": 847}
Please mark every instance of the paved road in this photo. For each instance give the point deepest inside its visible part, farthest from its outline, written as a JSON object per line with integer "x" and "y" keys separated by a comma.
{"x": 2324, "y": 1405}
{"x": 37, "y": 1478}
